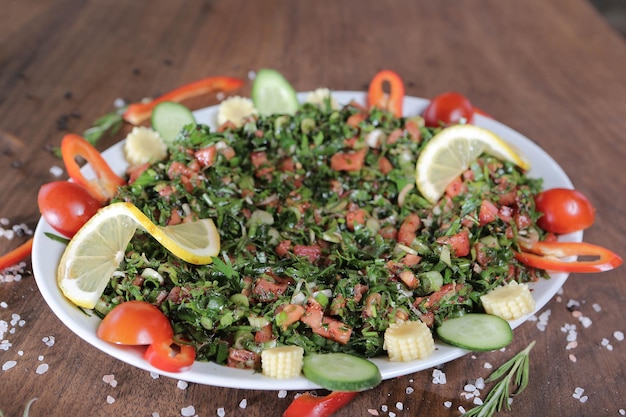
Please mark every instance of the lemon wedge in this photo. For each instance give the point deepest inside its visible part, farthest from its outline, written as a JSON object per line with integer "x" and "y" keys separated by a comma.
{"x": 96, "y": 251}
{"x": 451, "y": 151}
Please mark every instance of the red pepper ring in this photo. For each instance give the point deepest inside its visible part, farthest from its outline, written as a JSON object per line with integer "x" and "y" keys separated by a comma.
{"x": 104, "y": 187}
{"x": 545, "y": 255}
{"x": 310, "y": 405}
{"x": 376, "y": 96}
{"x": 16, "y": 255}
{"x": 136, "y": 113}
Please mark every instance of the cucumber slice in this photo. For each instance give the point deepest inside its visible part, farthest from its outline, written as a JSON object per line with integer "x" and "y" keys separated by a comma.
{"x": 272, "y": 94}
{"x": 478, "y": 332}
{"x": 341, "y": 372}
{"x": 168, "y": 118}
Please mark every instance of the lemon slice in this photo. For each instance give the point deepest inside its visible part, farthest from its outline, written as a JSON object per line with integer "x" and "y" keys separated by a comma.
{"x": 451, "y": 151}
{"x": 96, "y": 251}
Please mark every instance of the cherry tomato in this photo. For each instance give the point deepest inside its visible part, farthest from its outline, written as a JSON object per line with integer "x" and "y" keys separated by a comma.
{"x": 66, "y": 206}
{"x": 447, "y": 109}
{"x": 169, "y": 356}
{"x": 564, "y": 210}
{"x": 135, "y": 323}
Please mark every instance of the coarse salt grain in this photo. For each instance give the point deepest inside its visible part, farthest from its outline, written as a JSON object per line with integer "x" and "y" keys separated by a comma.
{"x": 585, "y": 321}
{"x": 392, "y": 414}
{"x": 399, "y": 406}
{"x": 461, "y": 409}
{"x": 243, "y": 403}
{"x": 48, "y": 340}
{"x": 409, "y": 390}
{"x": 622, "y": 412}
{"x": 110, "y": 399}
{"x": 373, "y": 412}
{"x": 596, "y": 307}
{"x": 154, "y": 375}
{"x": 439, "y": 377}
{"x": 487, "y": 365}
{"x": 40, "y": 358}
{"x": 282, "y": 393}
{"x": 578, "y": 391}
{"x": 221, "y": 412}
{"x": 188, "y": 411}
{"x": 155, "y": 414}
{"x": 3, "y": 304}
{"x": 480, "y": 383}
{"x": 619, "y": 336}
{"x": 384, "y": 408}
{"x": 182, "y": 385}
{"x": 571, "y": 345}
{"x": 572, "y": 358}
{"x": 56, "y": 171}
{"x": 478, "y": 401}
{"x": 447, "y": 404}
{"x": 8, "y": 365}
{"x": 42, "y": 369}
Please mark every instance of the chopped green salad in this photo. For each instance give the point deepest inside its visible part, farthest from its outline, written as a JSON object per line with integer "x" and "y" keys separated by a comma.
{"x": 319, "y": 210}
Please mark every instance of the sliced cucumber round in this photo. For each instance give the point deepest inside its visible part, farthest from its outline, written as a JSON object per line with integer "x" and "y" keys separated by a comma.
{"x": 341, "y": 372}
{"x": 476, "y": 331}
{"x": 272, "y": 94}
{"x": 168, "y": 118}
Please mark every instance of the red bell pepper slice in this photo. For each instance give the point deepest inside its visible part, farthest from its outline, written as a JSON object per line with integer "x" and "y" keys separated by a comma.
{"x": 163, "y": 356}
{"x": 16, "y": 255}
{"x": 310, "y": 405}
{"x": 104, "y": 187}
{"x": 139, "y": 112}
{"x": 545, "y": 255}
{"x": 376, "y": 96}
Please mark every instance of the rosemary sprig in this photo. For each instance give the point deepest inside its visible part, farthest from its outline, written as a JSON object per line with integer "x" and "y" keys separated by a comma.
{"x": 514, "y": 372}
{"x": 110, "y": 122}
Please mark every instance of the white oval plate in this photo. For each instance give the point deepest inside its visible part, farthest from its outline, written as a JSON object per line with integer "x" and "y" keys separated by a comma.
{"x": 47, "y": 252}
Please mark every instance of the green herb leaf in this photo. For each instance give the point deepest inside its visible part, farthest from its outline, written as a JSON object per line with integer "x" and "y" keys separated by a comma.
{"x": 516, "y": 372}
{"x": 109, "y": 123}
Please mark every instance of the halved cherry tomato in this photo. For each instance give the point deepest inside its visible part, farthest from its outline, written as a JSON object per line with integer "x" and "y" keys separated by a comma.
{"x": 376, "y": 96}
{"x": 169, "y": 356}
{"x": 66, "y": 206}
{"x": 564, "y": 210}
{"x": 448, "y": 108}
{"x": 135, "y": 323}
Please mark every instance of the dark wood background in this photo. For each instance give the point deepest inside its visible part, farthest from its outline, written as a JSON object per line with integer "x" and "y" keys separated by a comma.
{"x": 554, "y": 71}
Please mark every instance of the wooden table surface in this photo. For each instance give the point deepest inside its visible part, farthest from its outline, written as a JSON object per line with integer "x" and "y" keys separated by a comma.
{"x": 554, "y": 71}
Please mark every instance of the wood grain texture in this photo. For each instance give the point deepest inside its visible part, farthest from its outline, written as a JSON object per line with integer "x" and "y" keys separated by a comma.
{"x": 554, "y": 71}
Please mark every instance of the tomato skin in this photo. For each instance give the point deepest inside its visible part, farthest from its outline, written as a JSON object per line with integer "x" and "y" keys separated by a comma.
{"x": 161, "y": 355}
{"x": 564, "y": 210}
{"x": 135, "y": 323}
{"x": 66, "y": 206}
{"x": 448, "y": 108}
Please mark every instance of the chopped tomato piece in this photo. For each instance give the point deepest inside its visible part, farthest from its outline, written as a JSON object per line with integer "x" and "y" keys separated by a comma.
{"x": 459, "y": 243}
{"x": 488, "y": 212}
{"x": 348, "y": 161}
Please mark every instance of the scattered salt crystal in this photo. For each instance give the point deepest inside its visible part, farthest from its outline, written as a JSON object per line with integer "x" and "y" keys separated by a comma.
{"x": 619, "y": 336}
{"x": 509, "y": 401}
{"x": 585, "y": 321}
{"x": 469, "y": 387}
{"x": 622, "y": 412}
{"x": 243, "y": 403}
{"x": 584, "y": 399}
{"x": 578, "y": 392}
{"x": 392, "y": 414}
{"x": 571, "y": 345}
{"x": 110, "y": 399}
{"x": 478, "y": 401}
{"x": 154, "y": 375}
{"x": 40, "y": 357}
{"x": 119, "y": 103}
{"x": 4, "y": 221}
{"x": 467, "y": 395}
{"x": 399, "y": 406}
{"x": 576, "y": 314}
{"x": 221, "y": 412}
{"x": 20, "y": 353}
{"x": 251, "y": 75}
{"x": 155, "y": 414}
{"x": 42, "y": 369}
{"x": 480, "y": 383}
{"x": 605, "y": 341}
{"x": 384, "y": 408}
{"x": 56, "y": 171}
{"x": 48, "y": 340}
{"x": 487, "y": 365}
{"x": 3, "y": 304}
{"x": 220, "y": 96}
{"x": 181, "y": 385}
{"x": 373, "y": 412}
{"x": 409, "y": 390}
{"x": 461, "y": 409}
{"x": 108, "y": 378}
{"x": 5, "y": 345}
{"x": 439, "y": 377}
{"x": 596, "y": 307}
{"x": 572, "y": 358}
{"x": 282, "y": 393}
{"x": 189, "y": 411}
{"x": 8, "y": 365}
{"x": 447, "y": 404}
{"x": 572, "y": 303}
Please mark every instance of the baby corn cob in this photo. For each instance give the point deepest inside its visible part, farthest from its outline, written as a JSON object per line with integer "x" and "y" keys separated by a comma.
{"x": 282, "y": 361}
{"x": 510, "y": 301}
{"x": 144, "y": 145}
{"x": 235, "y": 110}
{"x": 408, "y": 340}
